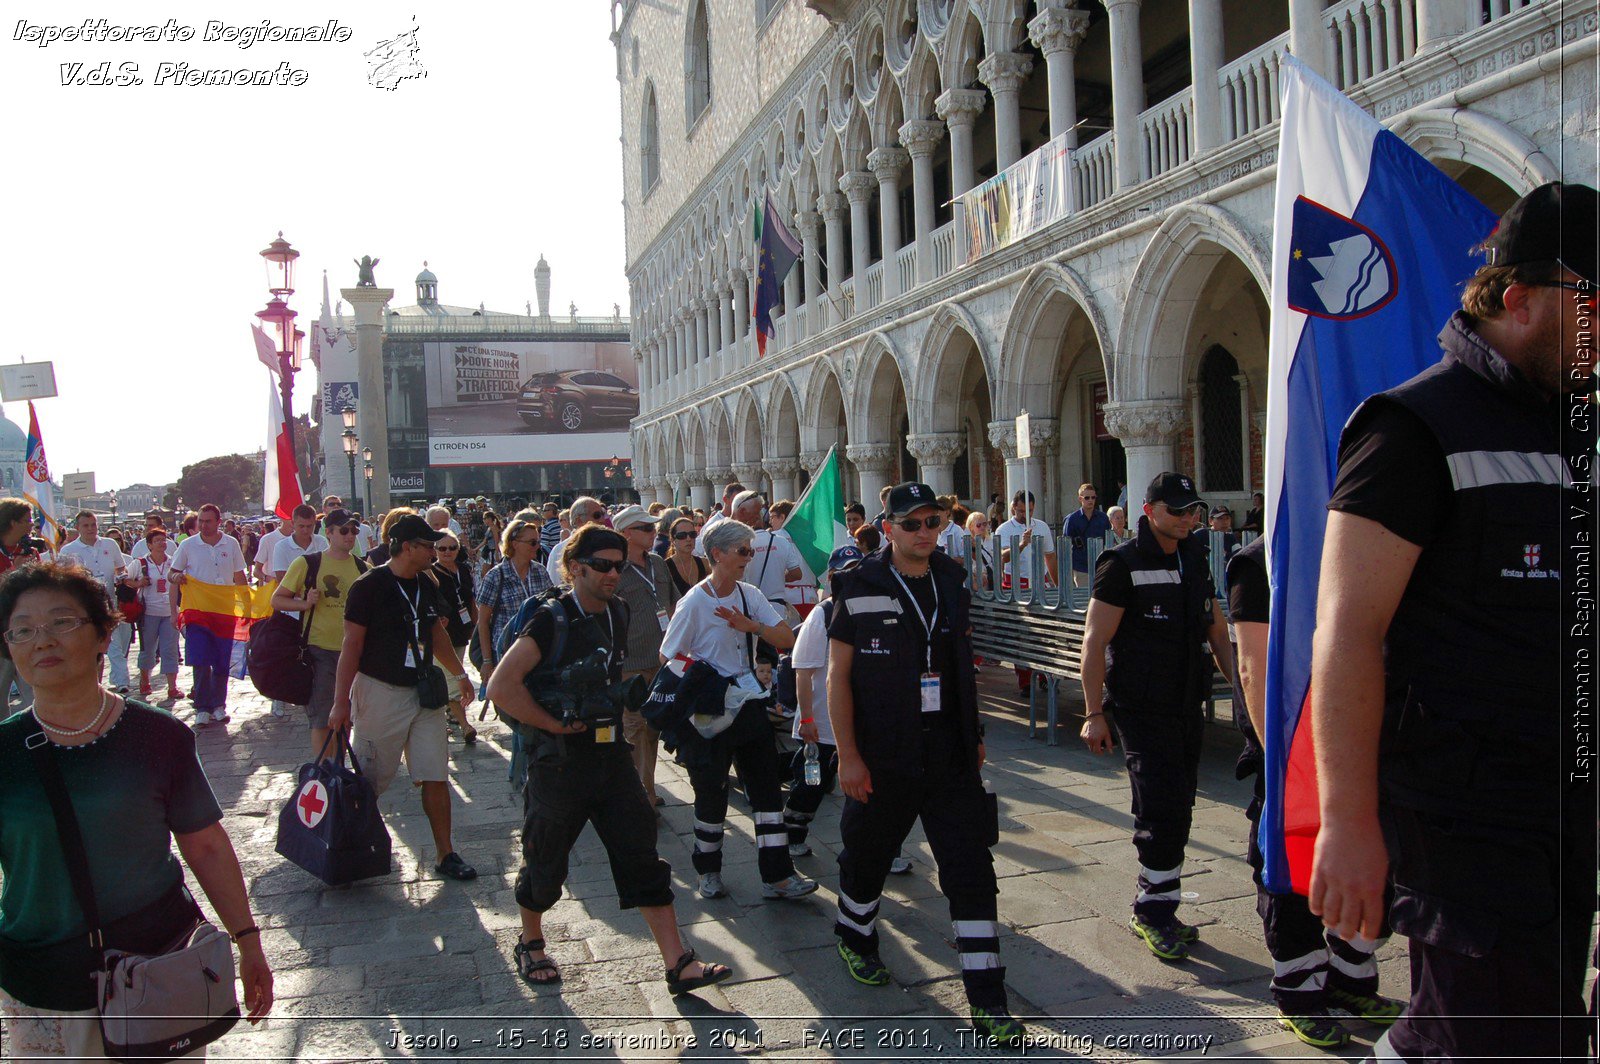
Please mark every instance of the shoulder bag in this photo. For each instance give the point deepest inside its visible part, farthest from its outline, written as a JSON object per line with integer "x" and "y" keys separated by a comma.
{"x": 153, "y": 1007}
{"x": 433, "y": 690}
{"x": 275, "y": 657}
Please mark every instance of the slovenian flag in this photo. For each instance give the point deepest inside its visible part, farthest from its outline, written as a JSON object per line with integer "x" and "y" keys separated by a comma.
{"x": 216, "y": 621}
{"x": 779, "y": 250}
{"x": 1371, "y": 244}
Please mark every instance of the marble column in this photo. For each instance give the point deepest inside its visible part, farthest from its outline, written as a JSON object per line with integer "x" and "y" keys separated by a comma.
{"x": 1439, "y": 21}
{"x": 1003, "y": 438}
{"x": 1127, "y": 87}
{"x": 857, "y": 186}
{"x": 1057, "y": 32}
{"x": 699, "y": 489}
{"x": 960, "y": 109}
{"x": 832, "y": 206}
{"x": 702, "y": 337}
{"x": 1147, "y": 429}
{"x": 741, "y": 315}
{"x": 713, "y": 300}
{"x": 936, "y": 453}
{"x": 887, "y": 164}
{"x": 1308, "y": 40}
{"x": 725, "y": 323}
{"x": 1205, "y": 60}
{"x": 791, "y": 303}
{"x": 1005, "y": 73}
{"x": 875, "y": 463}
{"x": 782, "y": 472}
{"x": 809, "y": 223}
{"x": 372, "y": 409}
{"x": 752, "y": 476}
{"x": 921, "y": 139}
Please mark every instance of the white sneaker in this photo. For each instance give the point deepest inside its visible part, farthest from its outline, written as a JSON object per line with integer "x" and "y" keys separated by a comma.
{"x": 277, "y": 710}
{"x": 900, "y": 866}
{"x": 711, "y": 886}
{"x": 796, "y": 886}
{"x": 201, "y": 717}
{"x": 220, "y": 716}
{"x": 799, "y": 849}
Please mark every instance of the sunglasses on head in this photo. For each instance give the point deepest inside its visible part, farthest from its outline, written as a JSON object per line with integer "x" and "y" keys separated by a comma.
{"x": 914, "y": 524}
{"x": 603, "y": 565}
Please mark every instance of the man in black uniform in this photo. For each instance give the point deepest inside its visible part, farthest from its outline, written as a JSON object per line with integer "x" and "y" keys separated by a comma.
{"x": 1436, "y": 696}
{"x": 903, "y": 699}
{"x": 1151, "y": 614}
{"x": 1312, "y": 968}
{"x": 587, "y": 775}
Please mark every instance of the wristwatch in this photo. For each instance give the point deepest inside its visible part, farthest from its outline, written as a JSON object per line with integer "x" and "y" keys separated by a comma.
{"x": 459, "y": 676}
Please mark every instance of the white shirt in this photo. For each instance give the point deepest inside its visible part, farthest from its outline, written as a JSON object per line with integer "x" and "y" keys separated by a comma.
{"x": 102, "y": 560}
{"x": 287, "y": 550}
{"x": 157, "y": 600}
{"x": 711, "y": 522}
{"x": 811, "y": 652}
{"x": 696, "y": 631}
{"x": 366, "y": 538}
{"x": 141, "y": 549}
{"x": 211, "y": 563}
{"x": 266, "y": 545}
{"x": 553, "y": 567}
{"x": 1021, "y": 563}
{"x": 775, "y": 555}
{"x": 953, "y": 540}
{"x": 454, "y": 528}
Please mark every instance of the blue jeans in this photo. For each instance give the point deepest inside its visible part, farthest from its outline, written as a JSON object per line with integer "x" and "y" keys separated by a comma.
{"x": 121, "y": 636}
{"x": 158, "y": 637}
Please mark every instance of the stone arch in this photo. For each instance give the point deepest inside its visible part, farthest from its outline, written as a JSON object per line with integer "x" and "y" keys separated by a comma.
{"x": 1149, "y": 361}
{"x": 782, "y": 423}
{"x": 1004, "y": 24}
{"x": 719, "y": 437}
{"x": 673, "y": 450}
{"x": 1464, "y": 137}
{"x": 697, "y": 60}
{"x": 828, "y": 420}
{"x": 872, "y": 66}
{"x": 856, "y": 142}
{"x": 961, "y": 50}
{"x": 649, "y": 139}
{"x": 920, "y": 84}
{"x": 1029, "y": 376}
{"x": 888, "y": 115}
{"x": 953, "y": 336}
{"x": 749, "y": 433}
{"x": 880, "y": 377}
{"x": 694, "y": 441}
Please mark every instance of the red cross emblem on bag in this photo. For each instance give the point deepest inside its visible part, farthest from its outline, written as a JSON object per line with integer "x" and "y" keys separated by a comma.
{"x": 1530, "y": 555}
{"x": 312, "y": 805}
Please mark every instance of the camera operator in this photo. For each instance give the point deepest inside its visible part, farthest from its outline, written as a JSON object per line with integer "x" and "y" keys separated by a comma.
{"x": 580, "y": 768}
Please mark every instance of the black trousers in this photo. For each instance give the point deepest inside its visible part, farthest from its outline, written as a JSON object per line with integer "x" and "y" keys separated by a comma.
{"x": 595, "y": 783}
{"x": 759, "y": 771}
{"x": 958, "y": 821}
{"x": 1307, "y": 958}
{"x": 1499, "y": 921}
{"x": 805, "y": 799}
{"x": 1162, "y": 752}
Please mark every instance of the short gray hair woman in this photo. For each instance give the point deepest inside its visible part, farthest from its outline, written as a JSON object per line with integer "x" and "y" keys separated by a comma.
{"x": 726, "y": 535}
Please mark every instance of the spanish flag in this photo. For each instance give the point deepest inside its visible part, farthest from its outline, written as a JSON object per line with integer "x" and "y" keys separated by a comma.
{"x": 216, "y": 620}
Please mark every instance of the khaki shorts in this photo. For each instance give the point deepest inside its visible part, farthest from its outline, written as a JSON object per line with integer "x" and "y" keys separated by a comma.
{"x": 389, "y": 721}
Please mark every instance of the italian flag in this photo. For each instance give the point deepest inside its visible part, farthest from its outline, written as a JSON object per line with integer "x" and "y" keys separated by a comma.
{"x": 817, "y": 524}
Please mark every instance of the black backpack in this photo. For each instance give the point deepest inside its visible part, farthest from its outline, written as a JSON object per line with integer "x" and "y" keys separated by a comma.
{"x": 275, "y": 658}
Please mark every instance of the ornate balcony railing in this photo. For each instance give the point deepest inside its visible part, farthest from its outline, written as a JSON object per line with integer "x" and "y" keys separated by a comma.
{"x": 1368, "y": 37}
{"x": 1249, "y": 87}
{"x": 1094, "y": 171}
{"x": 1167, "y": 133}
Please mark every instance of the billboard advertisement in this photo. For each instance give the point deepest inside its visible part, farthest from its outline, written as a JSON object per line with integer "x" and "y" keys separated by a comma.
{"x": 504, "y": 403}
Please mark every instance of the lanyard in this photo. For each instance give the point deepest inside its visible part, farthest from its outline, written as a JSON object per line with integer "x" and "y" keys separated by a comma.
{"x": 414, "y": 606}
{"x": 527, "y": 592}
{"x": 645, "y": 577}
{"x": 927, "y": 623}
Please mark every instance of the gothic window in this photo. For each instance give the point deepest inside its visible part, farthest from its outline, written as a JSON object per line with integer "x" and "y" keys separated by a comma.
{"x": 1220, "y": 426}
{"x": 697, "y": 64}
{"x": 650, "y": 142}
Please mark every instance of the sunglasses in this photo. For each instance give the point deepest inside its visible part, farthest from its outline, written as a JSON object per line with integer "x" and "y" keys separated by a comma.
{"x": 912, "y": 524}
{"x": 685, "y": 535}
{"x": 603, "y": 565}
{"x": 743, "y": 552}
{"x": 447, "y": 550}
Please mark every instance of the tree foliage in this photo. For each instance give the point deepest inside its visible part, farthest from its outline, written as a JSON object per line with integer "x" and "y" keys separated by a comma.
{"x": 227, "y": 480}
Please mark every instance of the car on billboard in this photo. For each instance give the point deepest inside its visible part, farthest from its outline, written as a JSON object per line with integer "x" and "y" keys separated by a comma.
{"x": 573, "y": 400}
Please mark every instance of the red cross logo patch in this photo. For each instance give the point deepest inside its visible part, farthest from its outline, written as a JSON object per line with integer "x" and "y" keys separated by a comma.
{"x": 1530, "y": 555}
{"x": 312, "y": 804}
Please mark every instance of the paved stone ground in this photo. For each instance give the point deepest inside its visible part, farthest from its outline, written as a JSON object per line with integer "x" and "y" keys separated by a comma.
{"x": 408, "y": 965}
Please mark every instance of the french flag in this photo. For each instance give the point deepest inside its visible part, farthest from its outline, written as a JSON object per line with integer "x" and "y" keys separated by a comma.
{"x": 1371, "y": 245}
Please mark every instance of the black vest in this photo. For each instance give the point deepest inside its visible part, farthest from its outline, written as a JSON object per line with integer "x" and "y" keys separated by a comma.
{"x": 1156, "y": 662}
{"x": 1472, "y": 709}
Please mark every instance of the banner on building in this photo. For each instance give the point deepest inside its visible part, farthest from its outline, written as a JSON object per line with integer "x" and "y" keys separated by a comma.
{"x": 485, "y": 374}
{"x": 1023, "y": 198}
{"x": 339, "y": 396}
{"x": 406, "y": 482}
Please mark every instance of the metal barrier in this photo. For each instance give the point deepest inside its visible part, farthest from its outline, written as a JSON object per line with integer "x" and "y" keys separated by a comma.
{"x": 1041, "y": 627}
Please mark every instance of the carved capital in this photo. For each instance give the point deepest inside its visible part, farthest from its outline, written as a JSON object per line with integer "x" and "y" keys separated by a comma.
{"x": 887, "y": 163}
{"x": 1058, "y": 29}
{"x": 1145, "y": 422}
{"x": 878, "y": 457}
{"x": 857, "y": 186}
{"x": 779, "y": 468}
{"x": 1005, "y": 71}
{"x": 807, "y": 222}
{"x": 936, "y": 448}
{"x": 718, "y": 475}
{"x": 811, "y": 461}
{"x": 921, "y": 137}
{"x": 961, "y": 107}
{"x": 1003, "y": 438}
{"x": 832, "y": 205}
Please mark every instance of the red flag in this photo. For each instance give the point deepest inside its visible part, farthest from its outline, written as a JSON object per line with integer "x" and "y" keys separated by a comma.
{"x": 281, "y": 489}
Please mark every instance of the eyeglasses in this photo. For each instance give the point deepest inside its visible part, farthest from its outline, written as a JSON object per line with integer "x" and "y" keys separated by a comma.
{"x": 344, "y": 530}
{"x": 27, "y": 633}
{"x": 743, "y": 552}
{"x": 912, "y": 524}
{"x": 1087, "y": 498}
{"x": 602, "y": 565}
{"x": 425, "y": 544}
{"x": 685, "y": 535}
{"x": 447, "y": 550}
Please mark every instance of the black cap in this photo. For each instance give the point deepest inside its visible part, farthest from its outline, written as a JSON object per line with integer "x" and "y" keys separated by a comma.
{"x": 1220, "y": 510}
{"x": 905, "y": 498}
{"x": 1174, "y": 489}
{"x": 337, "y": 518}
{"x": 1553, "y": 223}
{"x": 411, "y": 527}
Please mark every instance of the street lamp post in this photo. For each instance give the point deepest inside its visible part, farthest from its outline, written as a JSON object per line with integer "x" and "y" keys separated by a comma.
{"x": 352, "y": 444}
{"x": 366, "y": 458}
{"x": 280, "y": 259}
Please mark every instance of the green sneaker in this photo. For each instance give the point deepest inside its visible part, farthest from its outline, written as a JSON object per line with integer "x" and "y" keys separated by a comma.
{"x": 1187, "y": 933}
{"x": 1374, "y": 1008}
{"x": 999, "y": 1026}
{"x": 1164, "y": 941}
{"x": 1315, "y": 1028}
{"x": 864, "y": 967}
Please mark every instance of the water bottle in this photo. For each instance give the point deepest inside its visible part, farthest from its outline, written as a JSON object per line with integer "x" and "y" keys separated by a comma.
{"x": 813, "y": 770}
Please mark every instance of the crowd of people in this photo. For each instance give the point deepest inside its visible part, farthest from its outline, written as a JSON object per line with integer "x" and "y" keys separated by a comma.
{"x": 605, "y": 635}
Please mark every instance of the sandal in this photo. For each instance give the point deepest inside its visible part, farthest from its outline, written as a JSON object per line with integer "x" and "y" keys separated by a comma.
{"x": 470, "y": 735}
{"x": 528, "y": 966}
{"x": 709, "y": 975}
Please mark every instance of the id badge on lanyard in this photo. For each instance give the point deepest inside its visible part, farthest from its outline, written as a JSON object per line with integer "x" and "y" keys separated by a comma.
{"x": 928, "y": 682}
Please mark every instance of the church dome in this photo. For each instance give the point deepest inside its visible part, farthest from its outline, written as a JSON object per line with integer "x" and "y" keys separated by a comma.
{"x": 13, "y": 440}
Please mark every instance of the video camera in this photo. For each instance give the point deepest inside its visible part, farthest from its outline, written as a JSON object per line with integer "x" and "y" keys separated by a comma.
{"x": 583, "y": 691}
